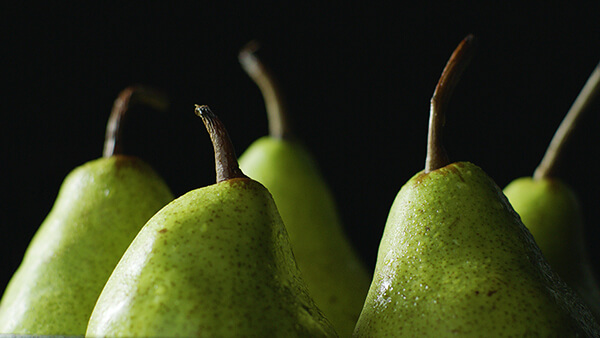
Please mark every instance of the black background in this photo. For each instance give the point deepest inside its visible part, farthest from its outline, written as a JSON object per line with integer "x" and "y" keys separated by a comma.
{"x": 357, "y": 76}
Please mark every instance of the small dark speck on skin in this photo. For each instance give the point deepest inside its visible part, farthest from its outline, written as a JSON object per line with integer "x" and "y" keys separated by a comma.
{"x": 491, "y": 292}
{"x": 476, "y": 292}
{"x": 162, "y": 231}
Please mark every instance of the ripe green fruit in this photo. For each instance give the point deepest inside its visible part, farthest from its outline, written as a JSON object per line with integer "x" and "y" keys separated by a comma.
{"x": 100, "y": 208}
{"x": 214, "y": 262}
{"x": 334, "y": 273}
{"x": 455, "y": 259}
{"x": 552, "y": 212}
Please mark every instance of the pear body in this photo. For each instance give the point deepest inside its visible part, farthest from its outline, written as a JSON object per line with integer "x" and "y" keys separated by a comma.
{"x": 215, "y": 262}
{"x": 100, "y": 208}
{"x": 334, "y": 273}
{"x": 551, "y": 211}
{"x": 456, "y": 260}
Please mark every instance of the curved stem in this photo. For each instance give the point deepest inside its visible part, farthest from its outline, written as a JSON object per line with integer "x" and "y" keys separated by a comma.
{"x": 127, "y": 97}
{"x": 226, "y": 164}
{"x": 550, "y": 162}
{"x": 274, "y": 103}
{"x": 460, "y": 58}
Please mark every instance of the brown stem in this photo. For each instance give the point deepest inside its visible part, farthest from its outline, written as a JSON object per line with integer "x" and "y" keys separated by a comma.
{"x": 226, "y": 164}
{"x": 548, "y": 167}
{"x": 274, "y": 103}
{"x": 460, "y": 58}
{"x": 130, "y": 95}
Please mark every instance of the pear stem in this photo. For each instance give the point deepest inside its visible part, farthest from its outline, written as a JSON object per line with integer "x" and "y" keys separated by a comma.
{"x": 262, "y": 76}
{"x": 460, "y": 58}
{"x": 128, "y": 96}
{"x": 226, "y": 164}
{"x": 549, "y": 165}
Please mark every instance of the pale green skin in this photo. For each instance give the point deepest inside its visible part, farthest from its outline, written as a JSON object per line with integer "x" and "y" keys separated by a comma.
{"x": 552, "y": 213}
{"x": 100, "y": 208}
{"x": 456, "y": 260}
{"x": 335, "y": 275}
{"x": 216, "y": 262}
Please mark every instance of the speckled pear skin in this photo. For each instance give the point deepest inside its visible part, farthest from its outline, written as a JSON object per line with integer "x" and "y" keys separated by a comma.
{"x": 100, "y": 208}
{"x": 334, "y": 273}
{"x": 456, "y": 260}
{"x": 551, "y": 211}
{"x": 215, "y": 262}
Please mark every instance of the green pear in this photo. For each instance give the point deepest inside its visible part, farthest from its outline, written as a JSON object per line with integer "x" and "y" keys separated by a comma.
{"x": 100, "y": 208}
{"x": 215, "y": 262}
{"x": 551, "y": 210}
{"x": 455, "y": 259}
{"x": 334, "y": 273}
